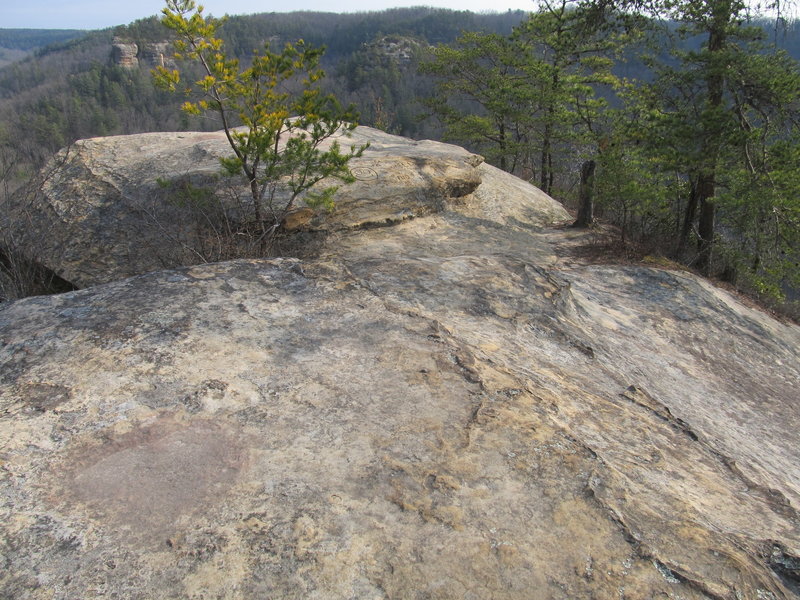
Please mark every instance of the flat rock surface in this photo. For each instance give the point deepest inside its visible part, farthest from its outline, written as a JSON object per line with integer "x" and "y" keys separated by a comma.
{"x": 439, "y": 408}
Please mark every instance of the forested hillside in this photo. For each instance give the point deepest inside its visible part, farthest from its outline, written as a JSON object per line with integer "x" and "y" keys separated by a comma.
{"x": 31, "y": 39}
{"x": 684, "y": 125}
{"x": 73, "y": 89}
{"x": 16, "y": 44}
{"x": 76, "y": 90}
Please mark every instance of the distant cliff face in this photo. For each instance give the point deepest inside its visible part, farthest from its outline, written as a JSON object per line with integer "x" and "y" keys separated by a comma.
{"x": 125, "y": 54}
{"x": 157, "y": 54}
{"x": 443, "y": 400}
{"x": 398, "y": 48}
{"x": 129, "y": 55}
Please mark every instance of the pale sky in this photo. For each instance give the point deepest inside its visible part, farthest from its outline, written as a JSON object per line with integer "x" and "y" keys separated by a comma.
{"x": 99, "y": 14}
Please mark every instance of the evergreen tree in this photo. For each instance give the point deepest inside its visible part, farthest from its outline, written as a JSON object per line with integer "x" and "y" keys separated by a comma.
{"x": 482, "y": 97}
{"x": 718, "y": 117}
{"x": 569, "y": 55}
{"x": 277, "y": 147}
{"x": 524, "y": 98}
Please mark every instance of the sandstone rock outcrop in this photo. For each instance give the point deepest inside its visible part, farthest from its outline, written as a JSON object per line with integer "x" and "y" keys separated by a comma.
{"x": 125, "y": 53}
{"x": 130, "y": 55}
{"x": 445, "y": 407}
{"x": 158, "y": 54}
{"x": 106, "y": 211}
{"x": 397, "y": 48}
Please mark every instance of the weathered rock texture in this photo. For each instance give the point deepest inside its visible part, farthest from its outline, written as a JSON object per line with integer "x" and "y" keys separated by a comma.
{"x": 397, "y": 48}
{"x": 445, "y": 407}
{"x": 112, "y": 207}
{"x": 157, "y": 54}
{"x": 129, "y": 55}
{"x": 125, "y": 53}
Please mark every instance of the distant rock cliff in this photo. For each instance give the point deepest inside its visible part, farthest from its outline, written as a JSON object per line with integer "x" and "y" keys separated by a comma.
{"x": 125, "y": 53}
{"x": 442, "y": 400}
{"x": 129, "y": 55}
{"x": 398, "y": 48}
{"x": 157, "y": 54}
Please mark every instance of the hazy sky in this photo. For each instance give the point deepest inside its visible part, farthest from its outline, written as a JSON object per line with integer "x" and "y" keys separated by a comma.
{"x": 98, "y": 14}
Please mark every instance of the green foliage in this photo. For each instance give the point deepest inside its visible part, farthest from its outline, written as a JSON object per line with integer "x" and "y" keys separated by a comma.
{"x": 633, "y": 191}
{"x": 284, "y": 116}
{"x": 572, "y": 54}
{"x": 705, "y": 150}
{"x": 482, "y": 96}
{"x": 525, "y": 98}
{"x": 760, "y": 221}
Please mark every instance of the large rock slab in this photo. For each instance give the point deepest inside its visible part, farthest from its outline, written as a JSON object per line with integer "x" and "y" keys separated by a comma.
{"x": 398, "y": 428}
{"x": 443, "y": 407}
{"x": 119, "y": 206}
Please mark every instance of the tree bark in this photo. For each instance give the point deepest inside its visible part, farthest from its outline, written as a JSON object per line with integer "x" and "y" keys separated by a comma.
{"x": 706, "y": 181}
{"x": 586, "y": 196}
{"x": 503, "y": 159}
{"x": 545, "y": 179}
{"x": 688, "y": 217}
{"x": 706, "y": 224}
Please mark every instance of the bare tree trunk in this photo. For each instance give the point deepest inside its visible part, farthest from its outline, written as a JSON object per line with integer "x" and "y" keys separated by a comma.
{"x": 503, "y": 158}
{"x": 688, "y": 217}
{"x": 706, "y": 225}
{"x": 706, "y": 181}
{"x": 586, "y": 196}
{"x": 546, "y": 178}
